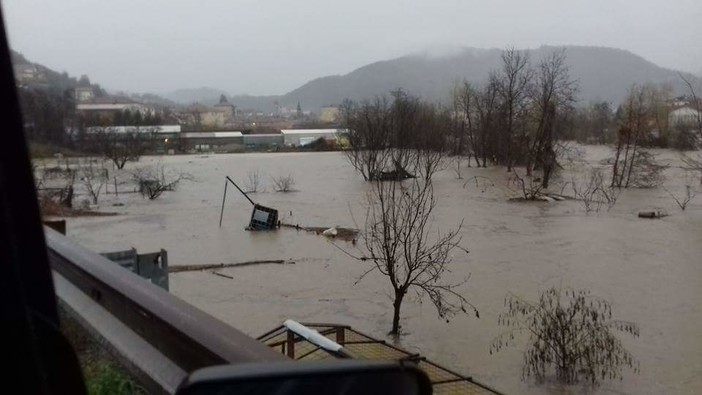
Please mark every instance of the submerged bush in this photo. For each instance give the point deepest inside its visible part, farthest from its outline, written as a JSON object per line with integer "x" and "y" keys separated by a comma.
{"x": 570, "y": 332}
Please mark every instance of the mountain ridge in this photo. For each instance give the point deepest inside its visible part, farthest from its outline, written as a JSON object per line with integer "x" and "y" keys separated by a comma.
{"x": 604, "y": 73}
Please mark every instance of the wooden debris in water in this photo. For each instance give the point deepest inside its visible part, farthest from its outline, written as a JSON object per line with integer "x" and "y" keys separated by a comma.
{"x": 194, "y": 268}
{"x": 222, "y": 275}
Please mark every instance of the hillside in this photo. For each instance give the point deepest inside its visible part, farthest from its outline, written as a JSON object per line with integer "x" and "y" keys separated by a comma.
{"x": 34, "y": 75}
{"x": 604, "y": 74}
{"x": 204, "y": 95}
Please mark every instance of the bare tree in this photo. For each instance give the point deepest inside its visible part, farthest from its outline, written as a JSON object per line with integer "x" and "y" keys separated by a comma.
{"x": 693, "y": 164}
{"x": 456, "y": 162}
{"x": 93, "y": 179}
{"x": 369, "y": 128}
{"x": 396, "y": 139}
{"x": 689, "y": 193}
{"x": 569, "y": 331}
{"x": 154, "y": 180}
{"x": 400, "y": 245}
{"x": 253, "y": 181}
{"x": 632, "y": 164}
{"x": 512, "y": 83}
{"x": 690, "y": 162}
{"x": 284, "y": 183}
{"x": 487, "y": 111}
{"x": 465, "y": 134}
{"x": 695, "y": 102}
{"x": 119, "y": 147}
{"x": 527, "y": 185}
{"x": 594, "y": 192}
{"x": 553, "y": 96}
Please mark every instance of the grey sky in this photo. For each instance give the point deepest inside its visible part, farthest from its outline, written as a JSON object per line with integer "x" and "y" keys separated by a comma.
{"x": 271, "y": 47}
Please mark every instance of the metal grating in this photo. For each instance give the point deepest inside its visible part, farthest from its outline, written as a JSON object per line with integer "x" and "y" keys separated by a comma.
{"x": 360, "y": 346}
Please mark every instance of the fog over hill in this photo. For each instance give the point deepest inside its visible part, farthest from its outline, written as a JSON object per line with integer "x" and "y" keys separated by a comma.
{"x": 604, "y": 74}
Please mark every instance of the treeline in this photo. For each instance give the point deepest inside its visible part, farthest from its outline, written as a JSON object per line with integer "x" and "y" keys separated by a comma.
{"x": 520, "y": 117}
{"x": 645, "y": 110}
{"x": 47, "y": 113}
{"x": 516, "y": 118}
{"x": 121, "y": 118}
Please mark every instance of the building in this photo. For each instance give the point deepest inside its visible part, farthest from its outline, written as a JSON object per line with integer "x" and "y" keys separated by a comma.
{"x": 329, "y": 114}
{"x": 208, "y": 117}
{"x": 263, "y": 141}
{"x": 302, "y": 137}
{"x": 228, "y": 109}
{"x": 220, "y": 141}
{"x": 83, "y": 94}
{"x": 108, "y": 107}
{"x": 161, "y": 130}
{"x": 27, "y": 73}
{"x": 684, "y": 116}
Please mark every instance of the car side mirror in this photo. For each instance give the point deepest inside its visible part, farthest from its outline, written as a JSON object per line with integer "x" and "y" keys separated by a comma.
{"x": 347, "y": 377}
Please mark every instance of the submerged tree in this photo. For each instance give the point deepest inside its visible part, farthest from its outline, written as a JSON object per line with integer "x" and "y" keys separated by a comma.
{"x": 284, "y": 183}
{"x": 633, "y": 165}
{"x": 594, "y": 192}
{"x": 391, "y": 138}
{"x": 513, "y": 84}
{"x": 569, "y": 331}
{"x": 401, "y": 245}
{"x": 694, "y": 163}
{"x": 397, "y": 238}
{"x": 154, "y": 180}
{"x": 553, "y": 98}
{"x": 119, "y": 147}
{"x": 92, "y": 178}
{"x": 369, "y": 129}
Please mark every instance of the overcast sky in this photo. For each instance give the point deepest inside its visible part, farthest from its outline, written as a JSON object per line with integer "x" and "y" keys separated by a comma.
{"x": 271, "y": 47}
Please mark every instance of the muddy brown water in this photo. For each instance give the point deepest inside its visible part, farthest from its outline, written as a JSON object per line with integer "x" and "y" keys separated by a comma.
{"x": 650, "y": 270}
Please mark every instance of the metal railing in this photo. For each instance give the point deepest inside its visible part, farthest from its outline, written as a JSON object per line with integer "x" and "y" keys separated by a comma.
{"x": 183, "y": 334}
{"x": 358, "y": 345}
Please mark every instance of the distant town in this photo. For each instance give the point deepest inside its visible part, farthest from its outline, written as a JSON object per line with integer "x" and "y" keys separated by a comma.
{"x": 164, "y": 128}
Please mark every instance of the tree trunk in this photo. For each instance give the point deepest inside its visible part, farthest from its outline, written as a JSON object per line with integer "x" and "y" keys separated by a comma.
{"x": 633, "y": 159}
{"x": 616, "y": 161}
{"x": 396, "y": 313}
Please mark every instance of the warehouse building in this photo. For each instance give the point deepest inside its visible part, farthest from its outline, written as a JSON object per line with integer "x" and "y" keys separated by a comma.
{"x": 222, "y": 141}
{"x": 258, "y": 142}
{"x": 303, "y": 137}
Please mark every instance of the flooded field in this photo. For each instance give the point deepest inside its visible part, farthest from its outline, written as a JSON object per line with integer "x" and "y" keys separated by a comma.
{"x": 650, "y": 270}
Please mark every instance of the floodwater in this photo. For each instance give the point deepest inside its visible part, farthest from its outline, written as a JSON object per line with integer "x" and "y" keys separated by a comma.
{"x": 650, "y": 270}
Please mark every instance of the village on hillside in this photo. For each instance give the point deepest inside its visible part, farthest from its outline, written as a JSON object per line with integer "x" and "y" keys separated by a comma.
{"x": 165, "y": 127}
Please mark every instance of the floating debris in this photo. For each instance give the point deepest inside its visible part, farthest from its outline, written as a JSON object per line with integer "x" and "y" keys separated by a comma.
{"x": 346, "y": 234}
{"x": 262, "y": 217}
{"x": 653, "y": 214}
{"x": 331, "y": 232}
{"x": 195, "y": 268}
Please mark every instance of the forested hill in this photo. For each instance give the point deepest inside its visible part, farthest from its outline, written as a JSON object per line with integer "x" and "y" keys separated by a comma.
{"x": 604, "y": 74}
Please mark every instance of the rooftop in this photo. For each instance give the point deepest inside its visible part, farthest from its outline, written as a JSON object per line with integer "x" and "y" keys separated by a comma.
{"x": 357, "y": 345}
{"x": 311, "y": 131}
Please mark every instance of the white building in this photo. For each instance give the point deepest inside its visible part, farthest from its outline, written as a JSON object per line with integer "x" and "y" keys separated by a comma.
{"x": 685, "y": 116}
{"x": 84, "y": 94}
{"x": 107, "y": 107}
{"x": 302, "y": 137}
{"x": 158, "y": 129}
